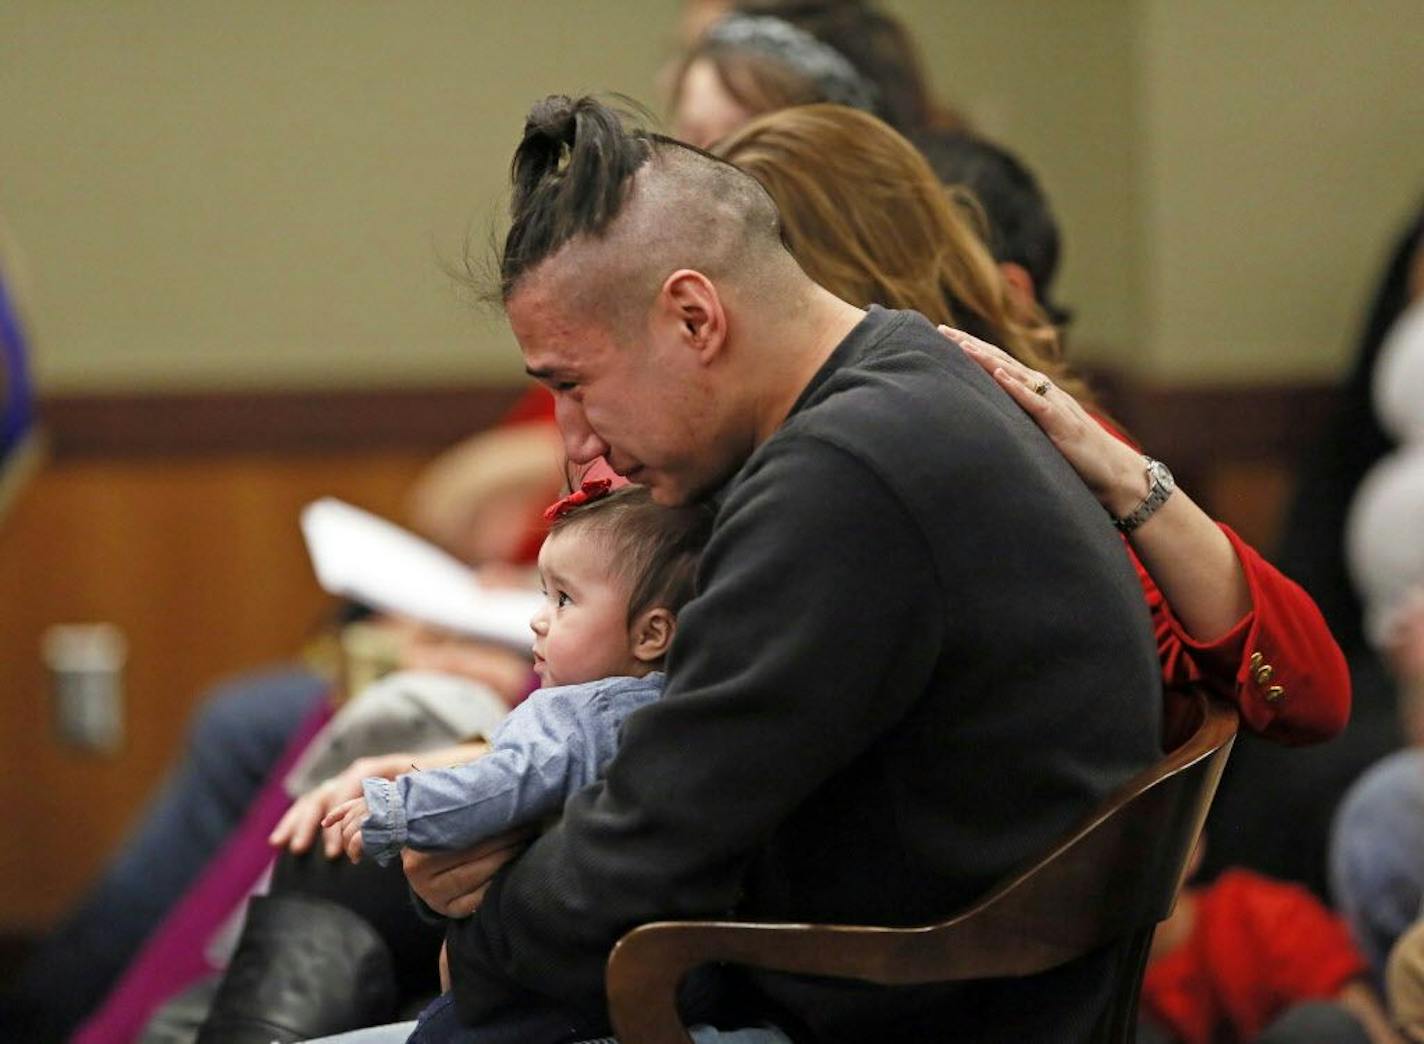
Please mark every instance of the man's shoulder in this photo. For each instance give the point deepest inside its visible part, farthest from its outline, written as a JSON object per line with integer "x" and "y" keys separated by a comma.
{"x": 899, "y": 342}
{"x": 906, "y": 399}
{"x": 909, "y": 372}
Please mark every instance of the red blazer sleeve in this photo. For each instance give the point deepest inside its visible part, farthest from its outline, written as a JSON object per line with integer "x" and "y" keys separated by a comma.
{"x": 1280, "y": 664}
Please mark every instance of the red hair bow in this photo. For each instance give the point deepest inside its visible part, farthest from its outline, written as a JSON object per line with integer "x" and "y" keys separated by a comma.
{"x": 592, "y": 489}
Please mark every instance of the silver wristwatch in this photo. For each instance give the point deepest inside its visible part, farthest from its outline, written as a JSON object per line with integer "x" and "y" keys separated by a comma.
{"x": 1159, "y": 487}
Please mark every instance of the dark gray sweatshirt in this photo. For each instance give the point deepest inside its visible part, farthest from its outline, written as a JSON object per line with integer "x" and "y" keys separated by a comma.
{"x": 917, "y": 656}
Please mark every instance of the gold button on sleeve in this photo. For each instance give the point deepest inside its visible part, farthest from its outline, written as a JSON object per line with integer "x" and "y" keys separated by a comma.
{"x": 1263, "y": 674}
{"x": 1275, "y": 694}
{"x": 1256, "y": 660}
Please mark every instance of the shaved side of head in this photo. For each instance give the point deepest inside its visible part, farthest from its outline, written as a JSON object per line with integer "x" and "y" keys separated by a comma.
{"x": 603, "y": 214}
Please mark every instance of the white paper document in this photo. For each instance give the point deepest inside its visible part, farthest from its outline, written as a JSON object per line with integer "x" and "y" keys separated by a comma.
{"x": 360, "y": 556}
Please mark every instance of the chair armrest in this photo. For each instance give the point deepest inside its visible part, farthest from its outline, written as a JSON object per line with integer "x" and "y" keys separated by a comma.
{"x": 649, "y": 963}
{"x": 1111, "y": 878}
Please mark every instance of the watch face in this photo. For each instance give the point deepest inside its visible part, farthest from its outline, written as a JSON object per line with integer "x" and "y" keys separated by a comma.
{"x": 1161, "y": 476}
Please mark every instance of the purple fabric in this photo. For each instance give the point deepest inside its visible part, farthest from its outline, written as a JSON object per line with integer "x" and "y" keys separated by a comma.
{"x": 16, "y": 397}
{"x": 173, "y": 957}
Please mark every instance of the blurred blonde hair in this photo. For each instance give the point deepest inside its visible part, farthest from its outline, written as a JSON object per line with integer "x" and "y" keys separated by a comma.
{"x": 866, "y": 217}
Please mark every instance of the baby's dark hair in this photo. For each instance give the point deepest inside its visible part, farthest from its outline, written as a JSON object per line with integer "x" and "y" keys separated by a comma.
{"x": 655, "y": 548}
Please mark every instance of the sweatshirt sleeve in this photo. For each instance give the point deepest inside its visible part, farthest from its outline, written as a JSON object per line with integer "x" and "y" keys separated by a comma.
{"x": 806, "y": 642}
{"x": 550, "y": 746}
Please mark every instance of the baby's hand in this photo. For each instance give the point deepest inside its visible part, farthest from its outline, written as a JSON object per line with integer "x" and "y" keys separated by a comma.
{"x": 348, "y": 817}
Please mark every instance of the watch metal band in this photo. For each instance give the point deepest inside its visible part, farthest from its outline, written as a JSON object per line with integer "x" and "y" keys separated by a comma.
{"x": 1159, "y": 487}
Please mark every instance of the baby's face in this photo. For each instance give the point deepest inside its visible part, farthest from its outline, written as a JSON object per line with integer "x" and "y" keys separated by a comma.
{"x": 581, "y": 631}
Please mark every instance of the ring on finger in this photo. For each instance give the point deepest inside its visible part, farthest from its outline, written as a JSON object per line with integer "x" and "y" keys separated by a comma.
{"x": 1041, "y": 388}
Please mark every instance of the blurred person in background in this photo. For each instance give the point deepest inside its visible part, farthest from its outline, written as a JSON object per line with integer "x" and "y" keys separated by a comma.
{"x": 1377, "y": 852}
{"x": 1012, "y": 213}
{"x": 1248, "y": 958}
{"x": 1313, "y": 539}
{"x": 750, "y": 58}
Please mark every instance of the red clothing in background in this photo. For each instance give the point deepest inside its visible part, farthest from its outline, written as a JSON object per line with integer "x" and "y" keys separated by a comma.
{"x": 535, "y": 404}
{"x": 1257, "y": 946}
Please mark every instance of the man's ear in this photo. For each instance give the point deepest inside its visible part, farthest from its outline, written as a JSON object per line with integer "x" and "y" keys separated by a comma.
{"x": 689, "y": 299}
{"x": 1020, "y": 283}
{"x": 652, "y": 634}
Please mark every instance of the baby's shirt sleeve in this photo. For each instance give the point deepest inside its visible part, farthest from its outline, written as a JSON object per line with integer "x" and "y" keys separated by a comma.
{"x": 551, "y": 745}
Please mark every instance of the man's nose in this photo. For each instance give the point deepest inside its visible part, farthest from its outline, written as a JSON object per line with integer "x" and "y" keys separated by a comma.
{"x": 582, "y": 445}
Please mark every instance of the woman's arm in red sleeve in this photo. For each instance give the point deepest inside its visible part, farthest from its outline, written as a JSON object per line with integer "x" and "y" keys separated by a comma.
{"x": 1224, "y": 615}
{"x": 1272, "y": 654}
{"x": 1278, "y": 663}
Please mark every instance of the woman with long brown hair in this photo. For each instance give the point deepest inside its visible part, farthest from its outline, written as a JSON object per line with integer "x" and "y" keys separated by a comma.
{"x": 866, "y": 217}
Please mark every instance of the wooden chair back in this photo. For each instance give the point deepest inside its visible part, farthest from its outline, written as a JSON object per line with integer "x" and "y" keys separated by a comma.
{"x": 1110, "y": 880}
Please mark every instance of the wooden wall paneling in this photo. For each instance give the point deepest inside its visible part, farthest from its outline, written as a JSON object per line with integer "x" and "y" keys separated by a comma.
{"x": 180, "y": 424}
{"x": 200, "y": 562}
{"x": 1252, "y": 497}
{"x": 1234, "y": 449}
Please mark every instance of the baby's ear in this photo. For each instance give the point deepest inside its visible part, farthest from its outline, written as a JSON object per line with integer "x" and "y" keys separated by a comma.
{"x": 652, "y": 634}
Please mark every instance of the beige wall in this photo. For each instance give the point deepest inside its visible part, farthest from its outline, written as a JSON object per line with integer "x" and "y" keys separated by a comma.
{"x": 1284, "y": 150}
{"x": 1056, "y": 82}
{"x": 1228, "y": 176}
{"x": 258, "y": 194}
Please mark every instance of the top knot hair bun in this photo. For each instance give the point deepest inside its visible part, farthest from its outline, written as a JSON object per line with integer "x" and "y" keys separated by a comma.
{"x": 569, "y": 177}
{"x": 552, "y": 118}
{"x": 550, "y": 130}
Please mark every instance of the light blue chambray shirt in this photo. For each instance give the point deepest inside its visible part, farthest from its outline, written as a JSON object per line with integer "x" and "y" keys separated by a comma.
{"x": 554, "y": 743}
